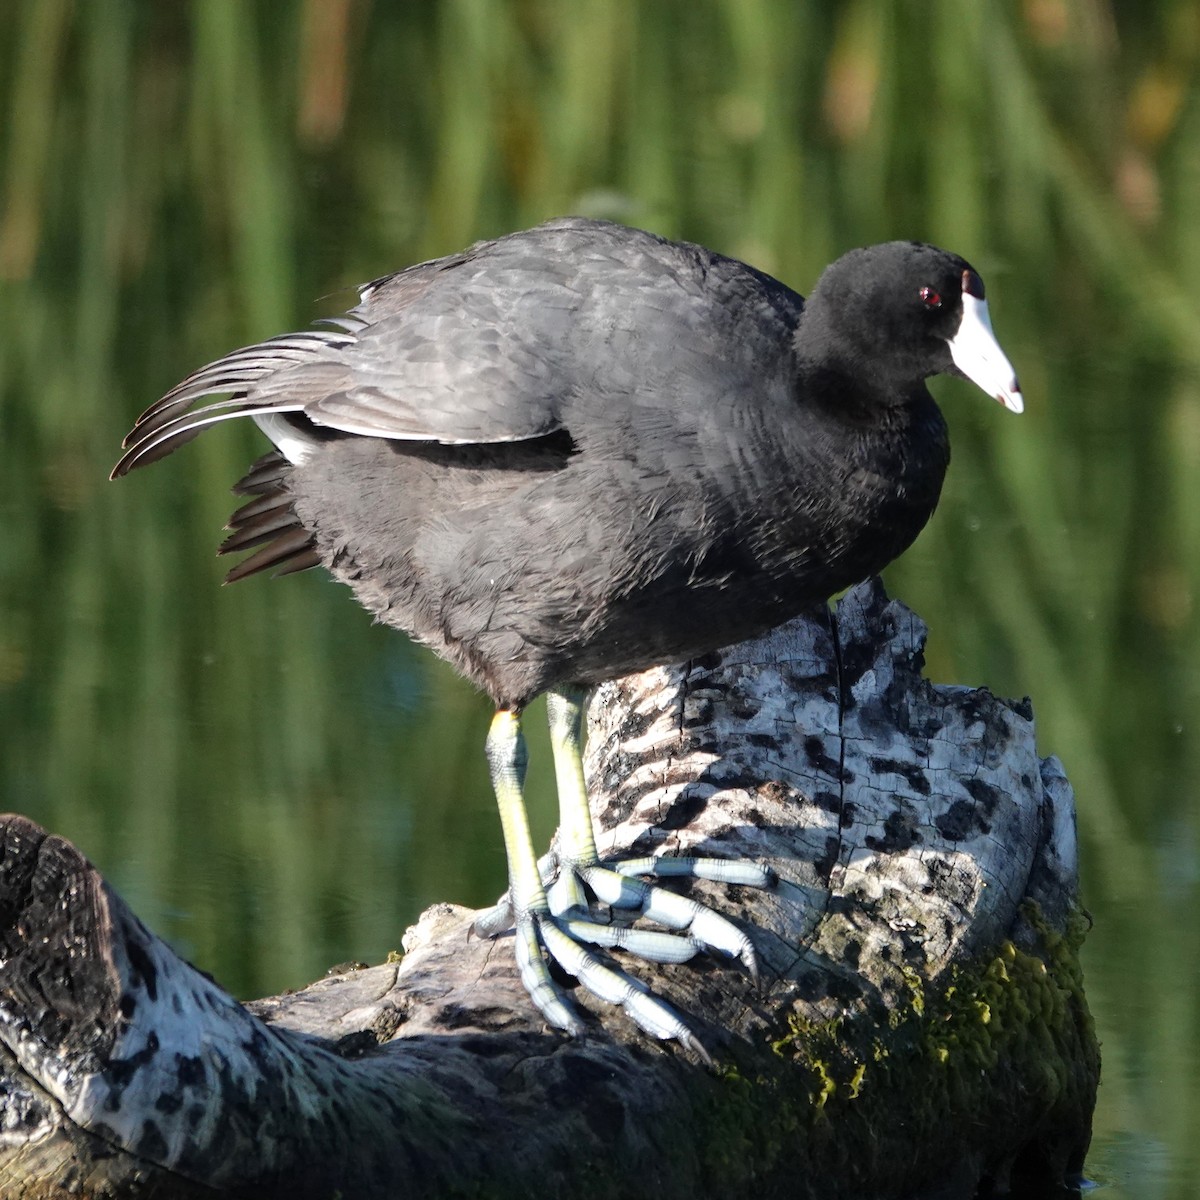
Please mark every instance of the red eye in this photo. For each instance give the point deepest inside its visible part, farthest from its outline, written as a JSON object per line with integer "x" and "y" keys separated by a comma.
{"x": 930, "y": 298}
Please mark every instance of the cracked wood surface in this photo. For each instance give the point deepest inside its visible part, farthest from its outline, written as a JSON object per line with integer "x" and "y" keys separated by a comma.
{"x": 909, "y": 823}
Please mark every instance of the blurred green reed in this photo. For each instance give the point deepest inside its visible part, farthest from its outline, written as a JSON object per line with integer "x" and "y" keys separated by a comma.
{"x": 274, "y": 783}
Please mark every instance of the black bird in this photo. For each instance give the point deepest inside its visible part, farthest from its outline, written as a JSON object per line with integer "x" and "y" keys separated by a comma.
{"x": 584, "y": 450}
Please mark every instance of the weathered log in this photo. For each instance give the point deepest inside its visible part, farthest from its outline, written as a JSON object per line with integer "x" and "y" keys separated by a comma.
{"x": 921, "y": 1027}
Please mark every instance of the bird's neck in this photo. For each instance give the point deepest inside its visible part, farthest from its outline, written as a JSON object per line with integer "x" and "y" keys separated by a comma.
{"x": 843, "y": 376}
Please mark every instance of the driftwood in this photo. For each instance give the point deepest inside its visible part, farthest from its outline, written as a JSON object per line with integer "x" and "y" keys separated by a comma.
{"x": 920, "y": 1029}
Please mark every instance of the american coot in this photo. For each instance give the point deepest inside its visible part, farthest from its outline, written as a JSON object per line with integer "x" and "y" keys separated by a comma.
{"x": 583, "y": 450}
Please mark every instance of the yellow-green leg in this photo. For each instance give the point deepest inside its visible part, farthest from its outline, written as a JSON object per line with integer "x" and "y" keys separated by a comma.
{"x": 565, "y": 711}
{"x": 539, "y": 932}
{"x": 507, "y": 759}
{"x": 615, "y": 884}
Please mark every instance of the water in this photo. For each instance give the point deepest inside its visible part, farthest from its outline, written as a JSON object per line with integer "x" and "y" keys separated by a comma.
{"x": 275, "y": 784}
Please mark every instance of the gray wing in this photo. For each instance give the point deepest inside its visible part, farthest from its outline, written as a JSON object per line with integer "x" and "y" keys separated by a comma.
{"x": 396, "y": 366}
{"x": 489, "y": 345}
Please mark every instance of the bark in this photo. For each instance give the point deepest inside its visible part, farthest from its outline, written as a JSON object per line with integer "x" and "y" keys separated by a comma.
{"x": 920, "y": 1028}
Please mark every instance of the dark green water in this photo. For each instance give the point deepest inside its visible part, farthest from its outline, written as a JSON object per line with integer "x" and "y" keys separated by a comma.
{"x": 276, "y": 785}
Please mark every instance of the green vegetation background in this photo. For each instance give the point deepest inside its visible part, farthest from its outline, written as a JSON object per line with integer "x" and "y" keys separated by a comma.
{"x": 275, "y": 784}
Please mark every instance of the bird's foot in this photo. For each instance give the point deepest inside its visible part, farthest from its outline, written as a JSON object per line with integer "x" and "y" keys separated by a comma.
{"x": 539, "y": 934}
{"x": 699, "y": 926}
{"x": 615, "y": 884}
{"x": 561, "y": 932}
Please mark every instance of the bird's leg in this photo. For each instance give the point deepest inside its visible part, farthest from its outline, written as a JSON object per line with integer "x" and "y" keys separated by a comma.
{"x": 538, "y": 931}
{"x": 576, "y": 842}
{"x": 565, "y": 710}
{"x": 702, "y": 927}
{"x": 507, "y": 759}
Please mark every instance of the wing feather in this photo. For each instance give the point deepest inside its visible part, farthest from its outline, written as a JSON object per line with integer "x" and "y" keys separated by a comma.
{"x": 493, "y": 345}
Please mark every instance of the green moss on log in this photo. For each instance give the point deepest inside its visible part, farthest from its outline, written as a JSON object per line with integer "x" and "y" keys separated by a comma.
{"x": 997, "y": 1063}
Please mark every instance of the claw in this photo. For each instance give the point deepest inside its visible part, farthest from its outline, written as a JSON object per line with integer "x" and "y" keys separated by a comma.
{"x": 550, "y": 999}
{"x": 494, "y": 921}
{"x": 717, "y": 933}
